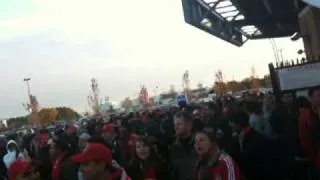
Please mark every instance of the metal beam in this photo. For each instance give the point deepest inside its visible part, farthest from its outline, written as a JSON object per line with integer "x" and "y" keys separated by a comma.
{"x": 234, "y": 17}
{"x": 267, "y": 5}
{"x": 236, "y": 10}
{"x": 245, "y": 22}
{"x": 196, "y": 10}
{"x": 216, "y": 4}
{"x": 251, "y": 35}
{"x": 272, "y": 35}
{"x": 221, "y": 28}
{"x": 209, "y": 9}
{"x": 221, "y": 7}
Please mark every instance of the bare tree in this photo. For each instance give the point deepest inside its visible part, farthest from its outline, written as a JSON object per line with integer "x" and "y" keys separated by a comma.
{"x": 94, "y": 97}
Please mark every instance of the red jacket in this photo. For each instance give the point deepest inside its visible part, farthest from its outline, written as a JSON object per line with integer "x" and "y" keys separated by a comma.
{"x": 306, "y": 122}
{"x": 220, "y": 167}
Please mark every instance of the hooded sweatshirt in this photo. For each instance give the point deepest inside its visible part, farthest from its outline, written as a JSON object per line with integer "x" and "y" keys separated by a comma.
{"x": 11, "y": 156}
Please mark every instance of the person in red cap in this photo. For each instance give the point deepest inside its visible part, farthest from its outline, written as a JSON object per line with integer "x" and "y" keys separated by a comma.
{"x": 96, "y": 164}
{"x": 23, "y": 170}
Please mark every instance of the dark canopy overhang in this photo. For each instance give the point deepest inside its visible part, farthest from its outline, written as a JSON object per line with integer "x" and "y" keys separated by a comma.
{"x": 236, "y": 21}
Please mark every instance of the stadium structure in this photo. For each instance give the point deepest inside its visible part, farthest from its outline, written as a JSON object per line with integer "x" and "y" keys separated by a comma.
{"x": 237, "y": 21}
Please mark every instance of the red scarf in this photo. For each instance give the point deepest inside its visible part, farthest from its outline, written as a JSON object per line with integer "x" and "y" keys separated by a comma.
{"x": 56, "y": 168}
{"x": 149, "y": 174}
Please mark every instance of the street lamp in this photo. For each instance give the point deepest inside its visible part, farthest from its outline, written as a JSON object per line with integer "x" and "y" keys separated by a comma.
{"x": 28, "y": 85}
{"x": 29, "y": 94}
{"x": 281, "y": 55}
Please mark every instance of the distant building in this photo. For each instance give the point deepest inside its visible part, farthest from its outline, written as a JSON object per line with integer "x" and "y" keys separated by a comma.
{"x": 166, "y": 99}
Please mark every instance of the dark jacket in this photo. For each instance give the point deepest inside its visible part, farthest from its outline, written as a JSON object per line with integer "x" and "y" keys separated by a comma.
{"x": 68, "y": 170}
{"x": 117, "y": 153}
{"x": 3, "y": 151}
{"x": 254, "y": 155}
{"x": 220, "y": 166}
{"x": 182, "y": 159}
{"x": 159, "y": 172}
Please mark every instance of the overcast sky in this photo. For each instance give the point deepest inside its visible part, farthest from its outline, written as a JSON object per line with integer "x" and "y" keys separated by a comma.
{"x": 62, "y": 44}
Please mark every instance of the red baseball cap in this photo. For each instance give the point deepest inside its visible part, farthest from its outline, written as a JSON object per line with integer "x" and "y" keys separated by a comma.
{"x": 18, "y": 167}
{"x": 94, "y": 152}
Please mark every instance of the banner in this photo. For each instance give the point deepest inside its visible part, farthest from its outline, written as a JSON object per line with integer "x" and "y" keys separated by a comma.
{"x": 298, "y": 77}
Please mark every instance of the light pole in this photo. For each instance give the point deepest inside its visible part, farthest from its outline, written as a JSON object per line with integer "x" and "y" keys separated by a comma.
{"x": 155, "y": 94}
{"x": 275, "y": 50}
{"x": 32, "y": 106}
{"x": 281, "y": 55}
{"x": 29, "y": 93}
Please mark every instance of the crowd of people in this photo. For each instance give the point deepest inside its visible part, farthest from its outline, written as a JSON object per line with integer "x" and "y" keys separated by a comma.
{"x": 259, "y": 137}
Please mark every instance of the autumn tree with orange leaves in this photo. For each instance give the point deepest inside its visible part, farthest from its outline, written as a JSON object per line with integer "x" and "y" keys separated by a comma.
{"x": 219, "y": 85}
{"x": 253, "y": 82}
{"x": 48, "y": 115}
